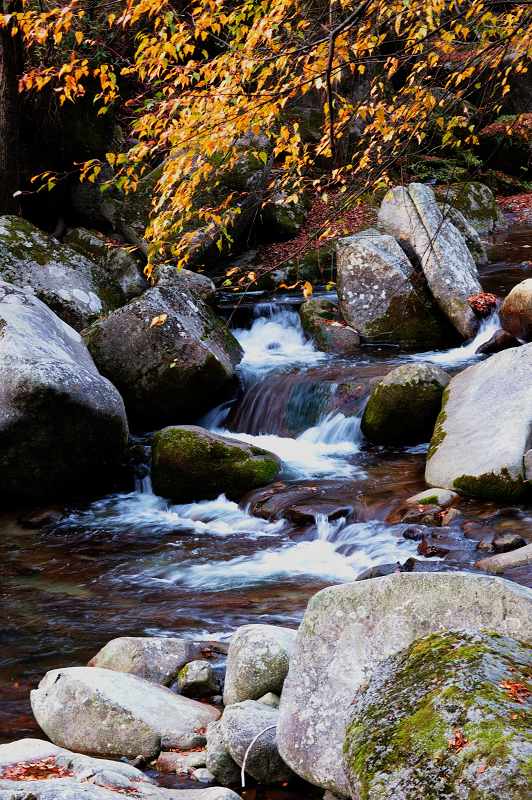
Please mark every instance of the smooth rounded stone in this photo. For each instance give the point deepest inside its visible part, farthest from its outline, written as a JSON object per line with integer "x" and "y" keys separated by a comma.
{"x": 499, "y": 564}
{"x": 411, "y": 214}
{"x": 183, "y": 355}
{"x": 270, "y": 699}
{"x": 203, "y": 775}
{"x": 404, "y": 405}
{"x": 323, "y": 323}
{"x": 191, "y": 463}
{"x": 200, "y": 285}
{"x": 516, "y": 311}
{"x": 347, "y": 630}
{"x": 76, "y": 288}
{"x": 437, "y": 497}
{"x": 98, "y": 711}
{"x": 439, "y": 719}
{"x": 484, "y": 429}
{"x": 122, "y": 266}
{"x": 241, "y": 724}
{"x": 52, "y": 401}
{"x": 182, "y": 763}
{"x": 257, "y": 662}
{"x": 218, "y": 759}
{"x": 156, "y": 659}
{"x": 198, "y": 679}
{"x": 506, "y": 542}
{"x": 471, "y": 236}
{"x": 501, "y": 340}
{"x": 381, "y": 295}
{"x": 477, "y": 203}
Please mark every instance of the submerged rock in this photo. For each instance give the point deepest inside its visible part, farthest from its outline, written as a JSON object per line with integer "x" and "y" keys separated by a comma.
{"x": 411, "y": 214}
{"x": 241, "y": 725}
{"x": 63, "y": 427}
{"x": 257, "y": 662}
{"x": 405, "y": 404}
{"x": 167, "y": 353}
{"x": 440, "y": 719}
{"x": 516, "y": 311}
{"x": 348, "y": 630}
{"x": 156, "y": 659}
{"x": 323, "y": 323}
{"x": 191, "y": 463}
{"x": 98, "y": 711}
{"x": 76, "y": 288}
{"x": 501, "y": 340}
{"x": 484, "y": 429}
{"x": 381, "y": 295}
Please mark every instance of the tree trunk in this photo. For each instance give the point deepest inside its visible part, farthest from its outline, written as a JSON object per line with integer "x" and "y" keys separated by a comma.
{"x": 9, "y": 116}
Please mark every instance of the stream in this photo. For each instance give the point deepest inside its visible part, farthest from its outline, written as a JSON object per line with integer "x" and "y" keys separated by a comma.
{"x": 134, "y": 564}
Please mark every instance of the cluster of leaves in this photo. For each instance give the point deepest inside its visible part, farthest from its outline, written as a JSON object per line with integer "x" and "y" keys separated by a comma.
{"x": 387, "y": 79}
{"x": 41, "y": 770}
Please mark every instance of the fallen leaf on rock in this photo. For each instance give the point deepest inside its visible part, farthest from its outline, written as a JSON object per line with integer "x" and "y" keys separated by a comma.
{"x": 458, "y": 742}
{"x": 517, "y": 691}
{"x": 41, "y": 770}
{"x": 158, "y": 321}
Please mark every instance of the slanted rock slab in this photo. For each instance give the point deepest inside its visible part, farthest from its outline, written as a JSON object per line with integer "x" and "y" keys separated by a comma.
{"x": 348, "y": 630}
{"x": 107, "y": 713}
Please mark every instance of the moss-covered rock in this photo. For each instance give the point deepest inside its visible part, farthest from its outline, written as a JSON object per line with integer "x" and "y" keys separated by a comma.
{"x": 282, "y": 219}
{"x": 404, "y": 405}
{"x": 190, "y": 463}
{"x": 323, "y": 323}
{"x": 449, "y": 717}
{"x": 476, "y": 202}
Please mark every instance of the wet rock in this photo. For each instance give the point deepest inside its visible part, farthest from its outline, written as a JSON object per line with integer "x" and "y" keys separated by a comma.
{"x": 347, "y": 630}
{"x": 241, "y": 723}
{"x": 449, "y": 515}
{"x": 433, "y": 497}
{"x": 516, "y": 311}
{"x": 303, "y": 514}
{"x": 198, "y": 679}
{"x": 429, "y": 547}
{"x": 102, "y": 712}
{"x": 477, "y": 203}
{"x": 193, "y": 282}
{"x": 506, "y": 542}
{"x": 439, "y": 720}
{"x": 381, "y": 295}
{"x": 52, "y": 400}
{"x": 422, "y": 514}
{"x": 190, "y": 463}
{"x": 257, "y": 662}
{"x": 404, "y": 405}
{"x": 379, "y": 571}
{"x": 32, "y": 769}
{"x": 411, "y": 214}
{"x": 43, "y": 518}
{"x": 484, "y": 429}
{"x": 183, "y": 763}
{"x": 501, "y": 340}
{"x": 184, "y": 355}
{"x": 122, "y": 266}
{"x": 76, "y": 288}
{"x": 156, "y": 659}
{"x": 499, "y": 564}
{"x": 485, "y": 545}
{"x": 323, "y": 323}
{"x": 414, "y": 533}
{"x": 469, "y": 232}
{"x": 219, "y": 760}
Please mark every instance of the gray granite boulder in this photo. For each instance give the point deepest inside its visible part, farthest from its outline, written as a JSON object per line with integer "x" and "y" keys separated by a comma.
{"x": 198, "y": 679}
{"x": 63, "y": 426}
{"x": 516, "y": 311}
{"x": 107, "y": 713}
{"x": 471, "y": 236}
{"x": 156, "y": 659}
{"x": 348, "y": 630}
{"x": 219, "y": 760}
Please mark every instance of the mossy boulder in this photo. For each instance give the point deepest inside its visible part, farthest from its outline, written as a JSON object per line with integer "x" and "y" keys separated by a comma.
{"x": 443, "y": 719}
{"x": 477, "y": 203}
{"x": 190, "y": 463}
{"x": 77, "y": 288}
{"x": 405, "y": 404}
{"x": 282, "y": 219}
{"x": 323, "y": 323}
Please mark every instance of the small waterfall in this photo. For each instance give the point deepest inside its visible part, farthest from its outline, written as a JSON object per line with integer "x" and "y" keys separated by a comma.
{"x": 458, "y": 356}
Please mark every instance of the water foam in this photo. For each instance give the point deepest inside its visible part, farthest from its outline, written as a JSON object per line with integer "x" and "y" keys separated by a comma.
{"x": 467, "y": 352}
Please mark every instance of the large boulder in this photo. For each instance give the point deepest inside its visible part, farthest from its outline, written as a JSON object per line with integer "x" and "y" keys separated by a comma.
{"x": 257, "y": 662}
{"x": 191, "y": 463}
{"x": 63, "y": 427}
{"x": 156, "y": 659}
{"x": 441, "y": 719}
{"x": 382, "y": 296}
{"x": 516, "y": 311}
{"x": 469, "y": 232}
{"x": 476, "y": 202}
{"x": 250, "y": 727}
{"x": 194, "y": 282}
{"x": 323, "y": 323}
{"x": 78, "y": 289}
{"x": 347, "y": 630}
{"x": 484, "y": 429}
{"x": 412, "y": 215}
{"x": 219, "y": 760}
{"x": 167, "y": 353}
{"x": 106, "y": 713}
{"x": 405, "y": 404}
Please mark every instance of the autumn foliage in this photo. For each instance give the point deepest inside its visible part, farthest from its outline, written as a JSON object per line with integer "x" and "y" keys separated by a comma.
{"x": 329, "y": 96}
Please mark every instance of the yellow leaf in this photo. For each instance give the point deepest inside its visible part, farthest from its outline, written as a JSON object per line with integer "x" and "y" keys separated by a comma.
{"x": 158, "y": 321}
{"x": 307, "y": 290}
{"x": 79, "y": 37}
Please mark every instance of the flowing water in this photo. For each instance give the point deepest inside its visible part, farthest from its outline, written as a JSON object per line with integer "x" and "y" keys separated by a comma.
{"x": 135, "y": 564}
